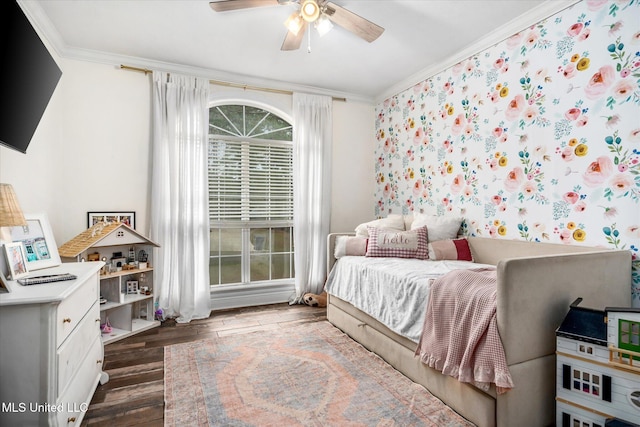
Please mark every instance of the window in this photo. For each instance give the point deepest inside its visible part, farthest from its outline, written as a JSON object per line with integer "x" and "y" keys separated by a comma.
{"x": 250, "y": 196}
{"x": 629, "y": 336}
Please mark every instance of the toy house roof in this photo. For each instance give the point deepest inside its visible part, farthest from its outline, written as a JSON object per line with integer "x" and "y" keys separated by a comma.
{"x": 584, "y": 324}
{"x": 103, "y": 234}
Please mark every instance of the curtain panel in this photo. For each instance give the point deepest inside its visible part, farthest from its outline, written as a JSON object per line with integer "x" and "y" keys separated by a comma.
{"x": 312, "y": 137}
{"x": 179, "y": 195}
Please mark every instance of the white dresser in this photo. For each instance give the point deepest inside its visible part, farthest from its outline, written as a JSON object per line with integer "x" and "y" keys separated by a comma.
{"x": 51, "y": 353}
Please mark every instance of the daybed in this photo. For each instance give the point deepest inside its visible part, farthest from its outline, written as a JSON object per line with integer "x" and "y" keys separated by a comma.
{"x": 536, "y": 284}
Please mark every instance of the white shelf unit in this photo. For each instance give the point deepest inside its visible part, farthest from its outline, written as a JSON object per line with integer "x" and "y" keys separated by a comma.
{"x": 127, "y": 313}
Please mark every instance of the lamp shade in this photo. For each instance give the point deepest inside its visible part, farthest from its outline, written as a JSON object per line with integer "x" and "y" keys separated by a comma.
{"x": 10, "y": 211}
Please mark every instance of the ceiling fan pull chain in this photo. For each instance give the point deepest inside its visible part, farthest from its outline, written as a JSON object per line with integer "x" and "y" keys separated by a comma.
{"x": 309, "y": 39}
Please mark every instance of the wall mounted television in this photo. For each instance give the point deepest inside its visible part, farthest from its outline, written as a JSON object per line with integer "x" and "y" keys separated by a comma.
{"x": 28, "y": 77}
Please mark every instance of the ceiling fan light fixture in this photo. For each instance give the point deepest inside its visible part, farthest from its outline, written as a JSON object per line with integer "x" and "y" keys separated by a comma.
{"x": 310, "y": 11}
{"x": 323, "y": 25}
{"x": 294, "y": 23}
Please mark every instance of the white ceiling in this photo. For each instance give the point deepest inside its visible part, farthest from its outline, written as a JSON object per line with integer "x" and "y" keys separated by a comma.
{"x": 244, "y": 46}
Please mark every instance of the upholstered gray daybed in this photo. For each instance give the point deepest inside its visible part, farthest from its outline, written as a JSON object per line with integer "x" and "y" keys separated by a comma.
{"x": 536, "y": 284}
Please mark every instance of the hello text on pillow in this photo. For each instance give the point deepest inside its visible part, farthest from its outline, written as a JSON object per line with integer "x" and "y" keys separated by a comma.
{"x": 398, "y": 244}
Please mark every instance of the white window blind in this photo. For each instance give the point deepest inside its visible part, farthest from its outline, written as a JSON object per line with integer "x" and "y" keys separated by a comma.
{"x": 250, "y": 181}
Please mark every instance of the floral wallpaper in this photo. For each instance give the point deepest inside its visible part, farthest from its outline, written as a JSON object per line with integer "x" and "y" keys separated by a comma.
{"x": 536, "y": 138}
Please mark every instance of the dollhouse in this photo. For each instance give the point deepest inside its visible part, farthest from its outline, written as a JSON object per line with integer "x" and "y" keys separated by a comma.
{"x": 598, "y": 367}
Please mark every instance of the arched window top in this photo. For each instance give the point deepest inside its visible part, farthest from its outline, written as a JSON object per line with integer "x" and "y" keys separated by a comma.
{"x": 248, "y": 122}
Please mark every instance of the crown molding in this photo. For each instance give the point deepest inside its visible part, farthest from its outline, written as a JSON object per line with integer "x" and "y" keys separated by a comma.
{"x": 532, "y": 17}
{"x": 52, "y": 38}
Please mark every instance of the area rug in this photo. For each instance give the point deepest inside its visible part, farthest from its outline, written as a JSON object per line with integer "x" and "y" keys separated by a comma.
{"x": 308, "y": 375}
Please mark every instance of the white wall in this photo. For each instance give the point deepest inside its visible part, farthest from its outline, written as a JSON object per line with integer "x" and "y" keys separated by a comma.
{"x": 91, "y": 151}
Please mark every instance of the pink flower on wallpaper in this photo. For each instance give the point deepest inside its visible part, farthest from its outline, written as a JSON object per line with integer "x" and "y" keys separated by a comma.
{"x": 565, "y": 236}
{"x": 582, "y": 121}
{"x": 581, "y": 206}
{"x": 567, "y": 154}
{"x": 493, "y": 164}
{"x": 600, "y": 82}
{"x": 457, "y": 183}
{"x": 497, "y": 131}
{"x": 458, "y": 124}
{"x": 594, "y": 5}
{"x": 572, "y": 113}
{"x": 386, "y": 190}
{"x": 529, "y": 188}
{"x": 571, "y": 197}
{"x": 515, "y": 107}
{"x": 514, "y": 41}
{"x": 634, "y": 135}
{"x": 634, "y": 231}
{"x": 530, "y": 114}
{"x": 569, "y": 71}
{"x": 498, "y": 63}
{"x": 513, "y": 179}
{"x": 494, "y": 96}
{"x": 584, "y": 35}
{"x": 496, "y": 200}
{"x": 623, "y": 89}
{"x": 575, "y": 29}
{"x": 418, "y": 136}
{"x": 598, "y": 171}
{"x": 417, "y": 187}
{"x": 387, "y": 145}
{"x": 532, "y": 38}
{"x": 621, "y": 182}
{"x": 456, "y": 69}
{"x": 468, "y": 130}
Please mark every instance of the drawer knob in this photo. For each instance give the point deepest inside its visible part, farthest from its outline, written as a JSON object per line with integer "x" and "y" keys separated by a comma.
{"x": 71, "y": 420}
{"x": 98, "y": 320}
{"x": 66, "y": 320}
{"x": 99, "y": 361}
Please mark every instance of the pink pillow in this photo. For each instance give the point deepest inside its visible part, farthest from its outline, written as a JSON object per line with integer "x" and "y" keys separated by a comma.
{"x": 398, "y": 244}
{"x": 453, "y": 249}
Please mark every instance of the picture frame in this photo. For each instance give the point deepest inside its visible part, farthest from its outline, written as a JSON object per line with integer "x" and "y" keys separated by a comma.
{"x": 132, "y": 287}
{"x": 16, "y": 260}
{"x": 126, "y": 217}
{"x": 41, "y": 250}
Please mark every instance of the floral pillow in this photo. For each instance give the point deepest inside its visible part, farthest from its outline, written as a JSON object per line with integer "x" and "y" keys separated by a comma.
{"x": 350, "y": 246}
{"x": 398, "y": 244}
{"x": 454, "y": 249}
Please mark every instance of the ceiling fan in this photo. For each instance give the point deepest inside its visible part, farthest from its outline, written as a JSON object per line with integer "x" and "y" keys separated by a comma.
{"x": 320, "y": 13}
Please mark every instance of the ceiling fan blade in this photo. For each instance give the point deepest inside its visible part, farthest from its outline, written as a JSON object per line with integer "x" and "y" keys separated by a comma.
{"x": 226, "y": 5}
{"x": 292, "y": 41}
{"x": 350, "y": 21}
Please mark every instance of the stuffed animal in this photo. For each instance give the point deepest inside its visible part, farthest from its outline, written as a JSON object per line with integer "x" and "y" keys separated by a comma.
{"x": 315, "y": 300}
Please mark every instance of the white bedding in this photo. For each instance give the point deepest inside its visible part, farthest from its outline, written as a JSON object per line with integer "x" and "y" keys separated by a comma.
{"x": 394, "y": 291}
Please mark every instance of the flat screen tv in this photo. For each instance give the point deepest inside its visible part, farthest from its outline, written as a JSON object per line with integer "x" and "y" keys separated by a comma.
{"x": 28, "y": 77}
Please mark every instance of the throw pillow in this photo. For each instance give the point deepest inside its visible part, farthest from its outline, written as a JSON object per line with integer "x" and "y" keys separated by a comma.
{"x": 440, "y": 227}
{"x": 350, "y": 246}
{"x": 455, "y": 249}
{"x": 398, "y": 244}
{"x": 391, "y": 222}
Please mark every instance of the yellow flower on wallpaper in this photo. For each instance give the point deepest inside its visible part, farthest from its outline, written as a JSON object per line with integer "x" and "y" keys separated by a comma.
{"x": 571, "y": 225}
{"x": 583, "y": 64}
{"x": 450, "y": 111}
{"x": 502, "y": 161}
{"x": 450, "y": 169}
{"x": 581, "y": 150}
{"x": 579, "y": 235}
{"x": 502, "y": 230}
{"x": 504, "y": 92}
{"x": 575, "y": 57}
{"x": 573, "y": 142}
{"x": 496, "y": 222}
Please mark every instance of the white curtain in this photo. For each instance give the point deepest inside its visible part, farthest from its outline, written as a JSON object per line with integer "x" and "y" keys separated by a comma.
{"x": 312, "y": 138}
{"x": 179, "y": 195}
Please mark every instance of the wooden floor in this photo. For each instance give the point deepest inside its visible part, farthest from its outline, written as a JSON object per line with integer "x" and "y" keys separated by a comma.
{"x": 134, "y": 394}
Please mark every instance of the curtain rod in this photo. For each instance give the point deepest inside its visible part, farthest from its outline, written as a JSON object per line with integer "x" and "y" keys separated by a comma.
{"x": 228, "y": 84}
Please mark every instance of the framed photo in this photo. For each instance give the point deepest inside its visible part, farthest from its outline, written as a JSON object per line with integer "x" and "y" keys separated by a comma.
{"x": 39, "y": 245}
{"x": 16, "y": 260}
{"x": 128, "y": 218}
{"x": 132, "y": 287}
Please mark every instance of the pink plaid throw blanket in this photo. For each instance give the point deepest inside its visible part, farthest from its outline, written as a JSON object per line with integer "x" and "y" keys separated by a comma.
{"x": 460, "y": 334}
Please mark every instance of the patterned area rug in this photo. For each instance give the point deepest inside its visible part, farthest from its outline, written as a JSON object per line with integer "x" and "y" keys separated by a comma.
{"x": 308, "y": 375}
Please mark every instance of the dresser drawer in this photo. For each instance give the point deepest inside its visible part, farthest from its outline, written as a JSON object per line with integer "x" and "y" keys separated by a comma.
{"x": 71, "y": 354}
{"x": 74, "y": 402}
{"x": 71, "y": 311}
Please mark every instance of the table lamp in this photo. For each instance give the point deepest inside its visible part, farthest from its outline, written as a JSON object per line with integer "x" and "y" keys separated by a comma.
{"x": 10, "y": 212}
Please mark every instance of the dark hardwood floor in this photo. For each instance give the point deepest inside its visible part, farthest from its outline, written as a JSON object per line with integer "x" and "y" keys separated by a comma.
{"x": 134, "y": 394}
